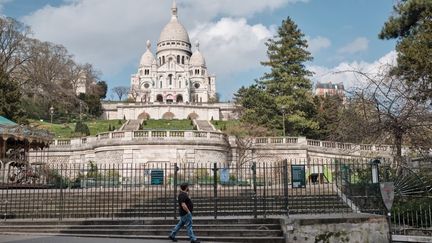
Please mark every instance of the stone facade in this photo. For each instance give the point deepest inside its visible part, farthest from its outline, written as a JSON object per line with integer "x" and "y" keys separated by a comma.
{"x": 219, "y": 111}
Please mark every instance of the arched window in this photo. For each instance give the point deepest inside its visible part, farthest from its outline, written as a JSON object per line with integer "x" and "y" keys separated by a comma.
{"x": 182, "y": 59}
{"x": 178, "y": 59}
{"x": 163, "y": 60}
{"x": 159, "y": 98}
{"x": 170, "y": 77}
{"x": 160, "y": 61}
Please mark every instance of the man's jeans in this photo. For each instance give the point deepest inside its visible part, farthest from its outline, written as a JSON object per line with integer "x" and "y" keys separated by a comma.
{"x": 184, "y": 220}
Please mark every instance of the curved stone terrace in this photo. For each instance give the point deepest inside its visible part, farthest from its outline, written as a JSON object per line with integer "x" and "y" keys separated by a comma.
{"x": 206, "y": 137}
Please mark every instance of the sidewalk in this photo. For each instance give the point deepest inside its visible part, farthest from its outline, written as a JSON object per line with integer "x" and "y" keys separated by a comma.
{"x": 57, "y": 239}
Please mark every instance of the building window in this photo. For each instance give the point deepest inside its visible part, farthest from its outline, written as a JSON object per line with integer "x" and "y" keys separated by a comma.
{"x": 183, "y": 60}
{"x": 209, "y": 80}
{"x": 163, "y": 60}
{"x": 146, "y": 86}
{"x": 180, "y": 84}
{"x": 203, "y": 72}
{"x": 197, "y": 71}
{"x": 160, "y": 83}
{"x": 197, "y": 85}
{"x": 178, "y": 59}
{"x": 147, "y": 72}
{"x": 170, "y": 79}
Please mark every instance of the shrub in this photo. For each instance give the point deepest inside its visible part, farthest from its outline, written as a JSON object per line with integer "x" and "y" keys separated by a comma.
{"x": 82, "y": 129}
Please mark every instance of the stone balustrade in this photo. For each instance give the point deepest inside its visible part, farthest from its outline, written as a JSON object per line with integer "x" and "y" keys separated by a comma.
{"x": 157, "y": 135}
{"x": 302, "y": 141}
{"x": 169, "y": 136}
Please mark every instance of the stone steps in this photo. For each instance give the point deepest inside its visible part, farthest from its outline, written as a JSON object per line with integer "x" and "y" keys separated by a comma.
{"x": 204, "y": 125}
{"x": 221, "y": 230}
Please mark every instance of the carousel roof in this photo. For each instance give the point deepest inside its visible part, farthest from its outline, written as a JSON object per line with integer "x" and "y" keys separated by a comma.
{"x": 10, "y": 129}
{"x": 6, "y": 122}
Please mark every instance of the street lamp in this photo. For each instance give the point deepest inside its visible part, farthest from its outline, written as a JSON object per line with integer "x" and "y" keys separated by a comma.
{"x": 283, "y": 119}
{"x": 51, "y": 110}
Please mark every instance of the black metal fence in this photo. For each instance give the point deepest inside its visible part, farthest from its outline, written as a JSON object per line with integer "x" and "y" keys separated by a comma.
{"x": 259, "y": 189}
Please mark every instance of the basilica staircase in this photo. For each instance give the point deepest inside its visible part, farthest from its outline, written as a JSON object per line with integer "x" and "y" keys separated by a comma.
{"x": 131, "y": 125}
{"x": 207, "y": 229}
{"x": 204, "y": 125}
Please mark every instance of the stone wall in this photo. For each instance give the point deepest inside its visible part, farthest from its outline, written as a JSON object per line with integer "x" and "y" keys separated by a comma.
{"x": 222, "y": 111}
{"x": 347, "y": 228}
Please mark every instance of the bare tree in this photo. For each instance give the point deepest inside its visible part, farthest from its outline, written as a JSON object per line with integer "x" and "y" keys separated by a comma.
{"x": 392, "y": 113}
{"x": 120, "y": 91}
{"x": 13, "y": 44}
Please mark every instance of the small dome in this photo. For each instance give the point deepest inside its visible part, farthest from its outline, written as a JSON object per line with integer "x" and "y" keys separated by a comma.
{"x": 147, "y": 58}
{"x": 197, "y": 58}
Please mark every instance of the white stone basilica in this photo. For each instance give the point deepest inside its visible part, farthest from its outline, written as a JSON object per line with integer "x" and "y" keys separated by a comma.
{"x": 176, "y": 75}
{"x": 174, "y": 84}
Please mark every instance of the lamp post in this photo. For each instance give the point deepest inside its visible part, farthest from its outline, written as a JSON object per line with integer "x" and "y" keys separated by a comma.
{"x": 375, "y": 170}
{"x": 283, "y": 119}
{"x": 51, "y": 110}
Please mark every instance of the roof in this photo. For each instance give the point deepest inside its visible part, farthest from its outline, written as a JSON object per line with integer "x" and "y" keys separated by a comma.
{"x": 6, "y": 122}
{"x": 9, "y": 129}
{"x": 330, "y": 86}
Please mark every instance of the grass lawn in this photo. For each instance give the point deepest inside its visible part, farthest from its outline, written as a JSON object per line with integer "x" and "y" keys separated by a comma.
{"x": 168, "y": 125}
{"x": 66, "y": 130}
{"x": 222, "y": 125}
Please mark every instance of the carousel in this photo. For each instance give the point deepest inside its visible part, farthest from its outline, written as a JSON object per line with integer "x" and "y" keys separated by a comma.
{"x": 16, "y": 167}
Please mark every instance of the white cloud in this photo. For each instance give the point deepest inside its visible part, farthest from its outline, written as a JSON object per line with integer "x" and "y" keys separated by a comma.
{"x": 318, "y": 43}
{"x": 358, "y": 45}
{"x": 343, "y": 73}
{"x": 111, "y": 34}
{"x": 231, "y": 44}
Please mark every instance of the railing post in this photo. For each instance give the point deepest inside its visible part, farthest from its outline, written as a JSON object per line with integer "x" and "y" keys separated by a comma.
{"x": 285, "y": 180}
{"x": 255, "y": 189}
{"x": 176, "y": 169}
{"x": 215, "y": 169}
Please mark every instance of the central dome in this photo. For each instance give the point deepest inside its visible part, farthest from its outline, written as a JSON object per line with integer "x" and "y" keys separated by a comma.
{"x": 174, "y": 30}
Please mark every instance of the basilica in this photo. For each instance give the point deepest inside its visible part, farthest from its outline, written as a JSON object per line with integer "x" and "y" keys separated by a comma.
{"x": 177, "y": 74}
{"x": 172, "y": 83}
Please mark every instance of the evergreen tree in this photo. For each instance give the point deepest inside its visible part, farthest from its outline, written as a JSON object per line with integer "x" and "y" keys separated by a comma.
{"x": 286, "y": 89}
{"x": 411, "y": 25}
{"x": 82, "y": 129}
{"x": 10, "y": 95}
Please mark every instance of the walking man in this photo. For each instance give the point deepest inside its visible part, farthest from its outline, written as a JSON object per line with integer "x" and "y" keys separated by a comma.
{"x": 185, "y": 210}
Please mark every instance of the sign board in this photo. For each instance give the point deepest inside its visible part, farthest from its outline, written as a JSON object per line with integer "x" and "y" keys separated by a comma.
{"x": 157, "y": 177}
{"x": 298, "y": 176}
{"x": 387, "y": 193}
{"x": 224, "y": 175}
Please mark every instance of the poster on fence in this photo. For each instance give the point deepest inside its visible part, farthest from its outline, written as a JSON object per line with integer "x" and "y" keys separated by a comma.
{"x": 224, "y": 175}
{"x": 298, "y": 178}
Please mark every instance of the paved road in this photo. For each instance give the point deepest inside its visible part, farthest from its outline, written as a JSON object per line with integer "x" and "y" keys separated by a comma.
{"x": 57, "y": 239}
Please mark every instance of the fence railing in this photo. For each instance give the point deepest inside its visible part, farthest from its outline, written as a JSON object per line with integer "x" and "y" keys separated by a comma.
{"x": 413, "y": 220}
{"x": 294, "y": 186}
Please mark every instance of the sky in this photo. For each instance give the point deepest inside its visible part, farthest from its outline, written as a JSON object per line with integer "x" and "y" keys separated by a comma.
{"x": 112, "y": 34}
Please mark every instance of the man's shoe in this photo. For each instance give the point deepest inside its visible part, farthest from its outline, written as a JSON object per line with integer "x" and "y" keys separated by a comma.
{"x": 195, "y": 241}
{"x": 172, "y": 238}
